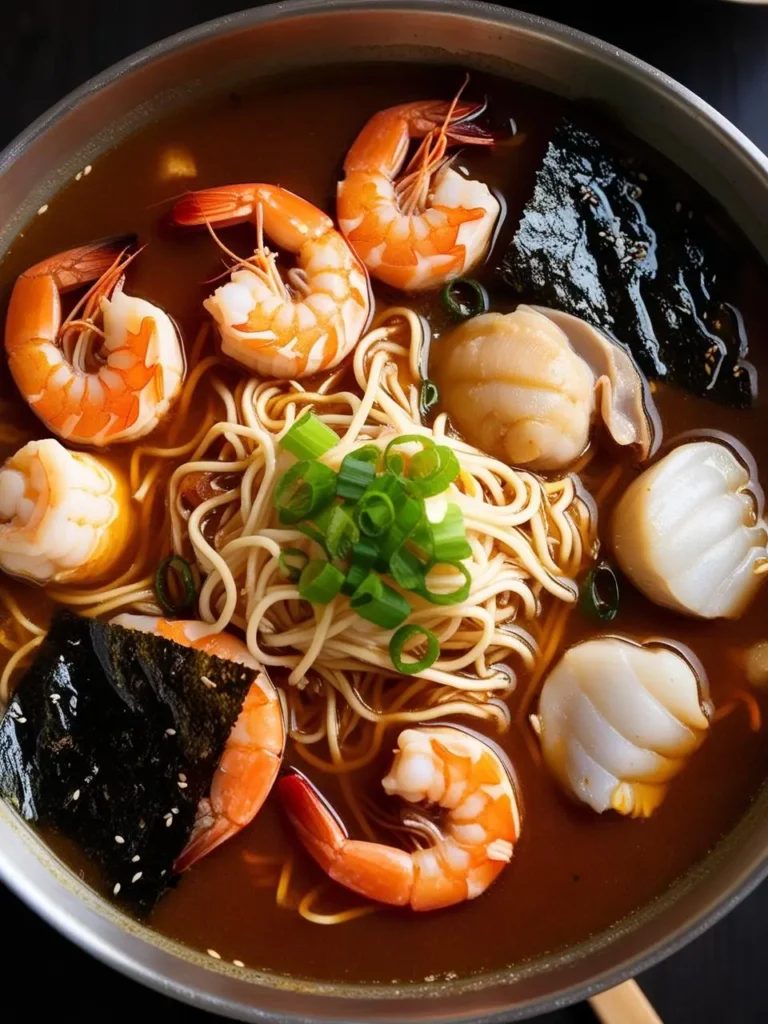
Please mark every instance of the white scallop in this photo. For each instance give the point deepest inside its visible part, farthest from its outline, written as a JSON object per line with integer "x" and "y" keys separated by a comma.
{"x": 689, "y": 531}
{"x": 618, "y": 720}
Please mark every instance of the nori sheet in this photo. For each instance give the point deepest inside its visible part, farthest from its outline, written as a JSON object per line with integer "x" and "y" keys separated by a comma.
{"x": 607, "y": 238}
{"x": 113, "y": 732}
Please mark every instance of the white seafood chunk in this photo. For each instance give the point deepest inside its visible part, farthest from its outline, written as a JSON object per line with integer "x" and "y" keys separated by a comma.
{"x": 63, "y": 515}
{"x": 527, "y": 387}
{"x": 689, "y": 531}
{"x": 618, "y": 720}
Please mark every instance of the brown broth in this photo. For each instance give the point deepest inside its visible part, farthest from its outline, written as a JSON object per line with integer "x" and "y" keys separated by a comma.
{"x": 574, "y": 872}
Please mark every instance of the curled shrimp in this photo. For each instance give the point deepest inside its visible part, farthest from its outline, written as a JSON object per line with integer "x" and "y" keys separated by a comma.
{"x": 443, "y": 766}
{"x": 283, "y": 328}
{"x": 253, "y": 753}
{"x": 418, "y": 229}
{"x": 91, "y": 384}
{"x": 64, "y": 516}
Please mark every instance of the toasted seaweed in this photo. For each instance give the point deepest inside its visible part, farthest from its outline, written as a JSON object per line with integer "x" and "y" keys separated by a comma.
{"x": 607, "y": 237}
{"x": 112, "y": 738}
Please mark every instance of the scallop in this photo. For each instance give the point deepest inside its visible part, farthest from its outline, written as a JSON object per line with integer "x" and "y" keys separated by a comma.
{"x": 527, "y": 387}
{"x": 618, "y": 720}
{"x": 689, "y": 531}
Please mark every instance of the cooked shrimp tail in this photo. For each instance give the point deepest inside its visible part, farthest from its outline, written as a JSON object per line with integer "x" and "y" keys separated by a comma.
{"x": 110, "y": 371}
{"x": 253, "y": 752}
{"x": 444, "y": 767}
{"x": 374, "y": 870}
{"x": 288, "y": 326}
{"x": 416, "y": 225}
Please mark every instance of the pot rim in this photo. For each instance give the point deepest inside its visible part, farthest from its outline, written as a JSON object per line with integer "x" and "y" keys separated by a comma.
{"x": 44, "y": 903}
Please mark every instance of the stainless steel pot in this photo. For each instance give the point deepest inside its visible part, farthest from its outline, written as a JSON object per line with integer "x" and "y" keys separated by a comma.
{"x": 173, "y": 73}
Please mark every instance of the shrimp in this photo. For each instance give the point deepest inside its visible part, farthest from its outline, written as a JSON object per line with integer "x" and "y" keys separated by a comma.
{"x": 443, "y": 765}
{"x": 87, "y": 393}
{"x": 283, "y": 328}
{"x": 64, "y": 516}
{"x": 253, "y": 753}
{"x": 429, "y": 225}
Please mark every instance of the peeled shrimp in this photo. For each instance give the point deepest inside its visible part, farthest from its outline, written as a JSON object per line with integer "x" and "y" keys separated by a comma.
{"x": 92, "y": 385}
{"x": 254, "y": 750}
{"x": 431, "y": 223}
{"x": 283, "y": 328}
{"x": 64, "y": 516}
{"x": 443, "y": 766}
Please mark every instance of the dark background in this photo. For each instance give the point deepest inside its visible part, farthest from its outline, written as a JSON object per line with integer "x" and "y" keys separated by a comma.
{"x": 719, "y": 50}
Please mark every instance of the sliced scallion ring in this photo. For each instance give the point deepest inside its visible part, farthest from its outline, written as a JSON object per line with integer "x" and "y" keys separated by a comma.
{"x": 303, "y": 491}
{"x": 379, "y": 603}
{"x": 454, "y": 596}
{"x": 429, "y": 396}
{"x": 464, "y": 297}
{"x": 309, "y": 438}
{"x": 375, "y": 513}
{"x": 320, "y": 581}
{"x": 402, "y": 637}
{"x": 356, "y": 472}
{"x": 341, "y": 533}
{"x": 182, "y": 571}
{"x": 599, "y": 596}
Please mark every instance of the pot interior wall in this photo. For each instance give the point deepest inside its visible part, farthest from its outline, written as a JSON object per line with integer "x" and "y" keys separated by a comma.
{"x": 251, "y": 46}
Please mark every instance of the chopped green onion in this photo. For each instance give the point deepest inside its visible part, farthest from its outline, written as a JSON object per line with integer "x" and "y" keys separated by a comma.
{"x": 320, "y": 581}
{"x": 304, "y": 490}
{"x": 431, "y": 471}
{"x": 379, "y": 603}
{"x": 363, "y": 556}
{"x": 286, "y": 563}
{"x": 454, "y": 596}
{"x": 464, "y": 297}
{"x": 600, "y": 593}
{"x": 449, "y": 537}
{"x": 393, "y": 461}
{"x": 401, "y": 637}
{"x": 341, "y": 533}
{"x": 309, "y": 438}
{"x": 429, "y": 396}
{"x": 355, "y": 473}
{"x": 406, "y": 570}
{"x": 375, "y": 513}
{"x": 407, "y": 519}
{"x": 182, "y": 570}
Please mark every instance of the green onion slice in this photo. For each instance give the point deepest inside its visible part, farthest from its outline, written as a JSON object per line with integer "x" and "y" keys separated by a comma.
{"x": 304, "y": 490}
{"x": 393, "y": 460}
{"x": 309, "y": 438}
{"x": 431, "y": 471}
{"x": 600, "y": 593}
{"x": 356, "y": 472}
{"x": 362, "y": 558}
{"x": 454, "y": 596}
{"x": 429, "y": 396}
{"x": 320, "y": 581}
{"x": 341, "y": 533}
{"x": 287, "y": 563}
{"x": 406, "y": 570}
{"x": 449, "y": 537}
{"x": 182, "y": 571}
{"x": 375, "y": 513}
{"x": 379, "y": 603}
{"x": 407, "y": 519}
{"x": 402, "y": 637}
{"x": 464, "y": 297}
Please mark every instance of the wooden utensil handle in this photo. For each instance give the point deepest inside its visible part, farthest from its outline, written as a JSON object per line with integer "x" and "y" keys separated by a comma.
{"x": 625, "y": 1004}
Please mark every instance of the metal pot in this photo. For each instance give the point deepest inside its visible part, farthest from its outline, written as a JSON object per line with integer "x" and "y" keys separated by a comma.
{"x": 174, "y": 73}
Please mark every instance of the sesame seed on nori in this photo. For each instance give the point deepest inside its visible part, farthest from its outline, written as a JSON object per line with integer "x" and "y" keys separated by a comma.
{"x": 101, "y": 763}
